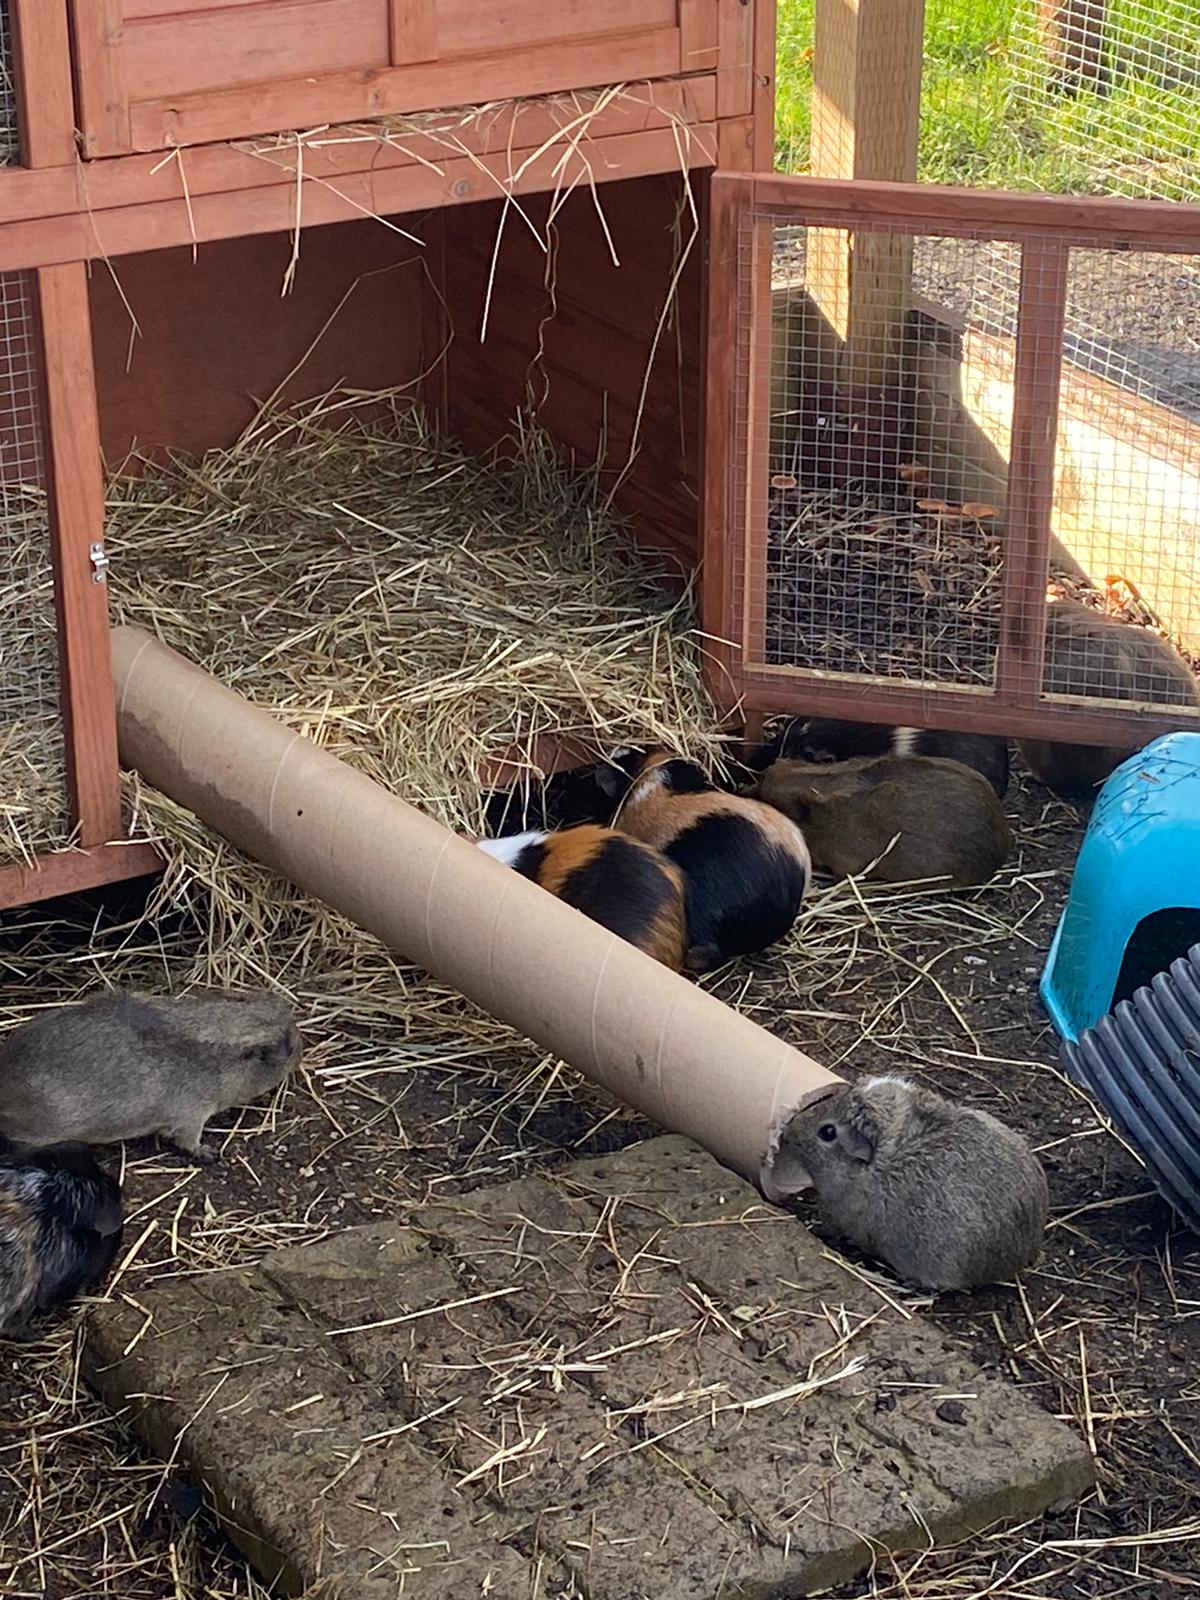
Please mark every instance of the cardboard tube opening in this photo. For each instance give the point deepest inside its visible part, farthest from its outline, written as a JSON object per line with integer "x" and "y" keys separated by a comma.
{"x": 652, "y": 1039}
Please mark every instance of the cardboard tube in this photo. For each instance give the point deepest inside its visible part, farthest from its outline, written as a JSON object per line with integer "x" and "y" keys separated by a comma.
{"x": 647, "y": 1035}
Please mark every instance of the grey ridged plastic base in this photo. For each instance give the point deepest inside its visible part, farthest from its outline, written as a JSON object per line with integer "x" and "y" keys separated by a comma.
{"x": 1142, "y": 1063}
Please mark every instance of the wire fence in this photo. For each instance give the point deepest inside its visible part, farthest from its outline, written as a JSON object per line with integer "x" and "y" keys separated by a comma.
{"x": 9, "y": 142}
{"x": 1064, "y": 96}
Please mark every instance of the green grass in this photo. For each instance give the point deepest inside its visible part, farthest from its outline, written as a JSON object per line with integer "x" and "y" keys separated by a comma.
{"x": 987, "y": 120}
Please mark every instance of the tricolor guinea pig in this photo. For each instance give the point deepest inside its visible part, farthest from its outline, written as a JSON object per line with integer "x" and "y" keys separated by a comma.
{"x": 626, "y": 886}
{"x": 745, "y": 866}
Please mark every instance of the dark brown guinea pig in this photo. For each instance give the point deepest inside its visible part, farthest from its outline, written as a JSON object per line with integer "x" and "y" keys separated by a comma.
{"x": 60, "y": 1230}
{"x": 948, "y": 821}
{"x": 622, "y": 884}
{"x": 1088, "y": 653}
{"x": 746, "y": 868}
{"x": 828, "y": 739}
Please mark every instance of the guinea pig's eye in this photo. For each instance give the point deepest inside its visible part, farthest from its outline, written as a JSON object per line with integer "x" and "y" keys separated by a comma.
{"x": 827, "y": 1133}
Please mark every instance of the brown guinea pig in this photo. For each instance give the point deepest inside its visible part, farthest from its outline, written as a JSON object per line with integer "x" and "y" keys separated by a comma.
{"x": 1088, "y": 653}
{"x": 830, "y": 739}
{"x": 947, "y": 818}
{"x": 624, "y": 885}
{"x": 947, "y": 1195}
{"x": 746, "y": 868}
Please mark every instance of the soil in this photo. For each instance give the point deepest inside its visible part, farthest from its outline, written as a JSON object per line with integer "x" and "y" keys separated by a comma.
{"x": 1105, "y": 1331}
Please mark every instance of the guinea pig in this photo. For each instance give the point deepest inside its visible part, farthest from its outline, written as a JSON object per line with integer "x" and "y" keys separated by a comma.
{"x": 563, "y": 800}
{"x": 624, "y": 885}
{"x": 746, "y": 867}
{"x": 828, "y": 739}
{"x": 948, "y": 1196}
{"x": 1088, "y": 653}
{"x": 948, "y": 820}
{"x": 60, "y": 1230}
{"x": 123, "y": 1065}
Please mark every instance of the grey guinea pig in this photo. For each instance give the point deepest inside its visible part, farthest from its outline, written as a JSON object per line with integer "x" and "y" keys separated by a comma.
{"x": 60, "y": 1230}
{"x": 948, "y": 1196}
{"x": 949, "y": 821}
{"x": 829, "y": 739}
{"x": 1088, "y": 653}
{"x": 123, "y": 1065}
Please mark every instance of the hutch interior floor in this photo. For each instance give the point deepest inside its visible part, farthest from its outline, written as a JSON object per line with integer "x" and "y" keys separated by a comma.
{"x": 415, "y": 611}
{"x": 1105, "y": 1333}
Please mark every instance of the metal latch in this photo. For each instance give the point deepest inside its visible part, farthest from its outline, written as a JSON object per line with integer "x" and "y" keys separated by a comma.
{"x": 98, "y": 556}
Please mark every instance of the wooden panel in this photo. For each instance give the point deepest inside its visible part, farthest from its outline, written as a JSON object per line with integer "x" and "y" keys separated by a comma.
{"x": 865, "y": 122}
{"x": 217, "y": 338}
{"x": 699, "y": 30}
{"x": 1167, "y": 225}
{"x": 74, "y": 871}
{"x": 368, "y": 93}
{"x": 412, "y": 31}
{"x": 888, "y": 701}
{"x": 99, "y": 38}
{"x": 717, "y": 454}
{"x": 124, "y": 230}
{"x": 596, "y": 331}
{"x": 136, "y": 9}
{"x": 180, "y": 56}
{"x": 1038, "y": 367}
{"x": 158, "y": 73}
{"x": 735, "y": 75}
{"x": 46, "y": 103}
{"x": 143, "y": 180}
{"x": 76, "y": 502}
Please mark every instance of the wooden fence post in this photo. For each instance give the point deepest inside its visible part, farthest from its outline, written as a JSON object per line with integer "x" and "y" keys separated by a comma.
{"x": 865, "y": 123}
{"x": 1073, "y": 39}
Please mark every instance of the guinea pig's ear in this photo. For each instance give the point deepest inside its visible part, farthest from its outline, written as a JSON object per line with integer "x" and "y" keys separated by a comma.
{"x": 859, "y": 1143}
{"x": 611, "y": 781}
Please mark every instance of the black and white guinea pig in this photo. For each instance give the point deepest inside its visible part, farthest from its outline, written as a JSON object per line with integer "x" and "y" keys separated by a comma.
{"x": 626, "y": 886}
{"x": 829, "y": 739}
{"x": 60, "y": 1230}
{"x": 745, "y": 866}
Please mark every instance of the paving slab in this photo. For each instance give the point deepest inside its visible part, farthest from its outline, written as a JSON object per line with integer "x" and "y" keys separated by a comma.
{"x": 632, "y": 1380}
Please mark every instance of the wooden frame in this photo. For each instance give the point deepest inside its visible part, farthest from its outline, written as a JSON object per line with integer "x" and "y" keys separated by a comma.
{"x": 76, "y": 502}
{"x": 739, "y": 420}
{"x": 45, "y": 99}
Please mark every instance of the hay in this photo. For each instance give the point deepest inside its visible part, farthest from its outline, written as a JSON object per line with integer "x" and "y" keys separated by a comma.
{"x": 414, "y": 611}
{"x": 33, "y": 812}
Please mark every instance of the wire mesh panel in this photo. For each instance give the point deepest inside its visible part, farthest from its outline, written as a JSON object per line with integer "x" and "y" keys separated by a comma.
{"x": 9, "y": 145}
{"x": 941, "y": 501}
{"x": 33, "y": 802}
{"x": 1061, "y": 96}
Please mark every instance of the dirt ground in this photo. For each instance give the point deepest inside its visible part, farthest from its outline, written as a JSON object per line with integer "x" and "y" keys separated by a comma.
{"x": 1105, "y": 1332}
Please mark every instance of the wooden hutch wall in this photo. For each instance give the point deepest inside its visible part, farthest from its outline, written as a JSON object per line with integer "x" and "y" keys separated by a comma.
{"x": 126, "y": 174}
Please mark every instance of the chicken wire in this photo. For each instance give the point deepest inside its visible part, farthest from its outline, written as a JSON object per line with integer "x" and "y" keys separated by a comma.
{"x": 1105, "y": 94}
{"x": 1087, "y": 96}
{"x": 9, "y": 150}
{"x": 33, "y": 802}
{"x": 883, "y": 540}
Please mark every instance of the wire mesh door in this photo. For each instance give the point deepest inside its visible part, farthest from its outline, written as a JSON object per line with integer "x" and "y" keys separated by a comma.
{"x": 929, "y": 501}
{"x": 33, "y": 795}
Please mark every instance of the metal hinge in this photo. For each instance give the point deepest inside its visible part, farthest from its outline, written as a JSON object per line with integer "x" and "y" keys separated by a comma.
{"x": 98, "y": 556}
